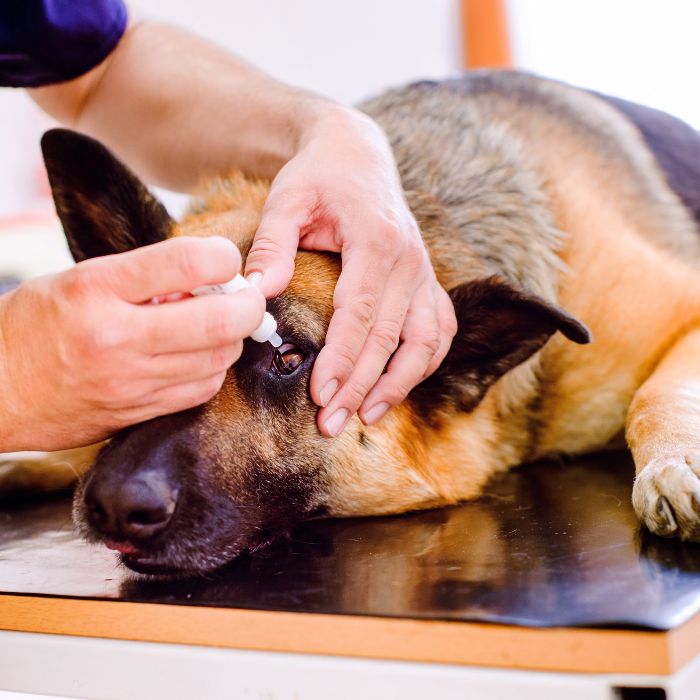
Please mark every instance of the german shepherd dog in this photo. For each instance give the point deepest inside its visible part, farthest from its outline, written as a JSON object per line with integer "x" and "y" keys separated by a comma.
{"x": 547, "y": 211}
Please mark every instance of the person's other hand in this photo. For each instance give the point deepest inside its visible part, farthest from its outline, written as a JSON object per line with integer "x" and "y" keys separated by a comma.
{"x": 342, "y": 193}
{"x": 83, "y": 354}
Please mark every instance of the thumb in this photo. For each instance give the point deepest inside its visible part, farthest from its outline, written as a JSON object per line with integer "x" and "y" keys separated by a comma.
{"x": 275, "y": 247}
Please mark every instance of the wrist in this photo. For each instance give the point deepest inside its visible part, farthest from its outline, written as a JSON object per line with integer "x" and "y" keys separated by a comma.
{"x": 320, "y": 118}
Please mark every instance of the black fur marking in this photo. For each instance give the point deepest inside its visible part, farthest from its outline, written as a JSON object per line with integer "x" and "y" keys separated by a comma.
{"x": 362, "y": 438}
{"x": 103, "y": 206}
{"x": 498, "y": 328}
{"x": 675, "y": 145}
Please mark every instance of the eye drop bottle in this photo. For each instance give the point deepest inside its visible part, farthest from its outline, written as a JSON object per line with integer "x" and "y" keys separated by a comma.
{"x": 266, "y": 332}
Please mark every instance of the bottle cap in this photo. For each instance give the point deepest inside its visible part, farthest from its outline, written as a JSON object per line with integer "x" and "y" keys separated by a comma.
{"x": 266, "y": 331}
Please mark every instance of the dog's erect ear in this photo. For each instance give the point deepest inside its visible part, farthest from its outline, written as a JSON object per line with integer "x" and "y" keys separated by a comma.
{"x": 499, "y": 327}
{"x": 103, "y": 206}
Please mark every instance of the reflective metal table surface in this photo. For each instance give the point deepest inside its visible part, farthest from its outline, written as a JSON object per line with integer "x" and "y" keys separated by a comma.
{"x": 552, "y": 544}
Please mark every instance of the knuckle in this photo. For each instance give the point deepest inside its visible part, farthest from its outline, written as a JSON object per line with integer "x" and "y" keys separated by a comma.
{"x": 450, "y": 326}
{"x": 446, "y": 310}
{"x": 429, "y": 343}
{"x": 414, "y": 257}
{"x": 383, "y": 249}
{"x": 395, "y": 391}
{"x": 210, "y": 387}
{"x": 218, "y": 360}
{"x": 362, "y": 309}
{"x": 385, "y": 335}
{"x": 102, "y": 338}
{"x": 116, "y": 391}
{"x": 222, "y": 358}
{"x": 433, "y": 365}
{"x": 342, "y": 360}
{"x": 80, "y": 281}
{"x": 354, "y": 394}
{"x": 265, "y": 247}
{"x": 391, "y": 235}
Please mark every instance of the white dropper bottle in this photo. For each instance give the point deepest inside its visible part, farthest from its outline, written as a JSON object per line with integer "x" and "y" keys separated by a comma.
{"x": 266, "y": 332}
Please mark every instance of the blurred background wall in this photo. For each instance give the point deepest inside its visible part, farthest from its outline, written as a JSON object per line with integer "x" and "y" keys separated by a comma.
{"x": 644, "y": 50}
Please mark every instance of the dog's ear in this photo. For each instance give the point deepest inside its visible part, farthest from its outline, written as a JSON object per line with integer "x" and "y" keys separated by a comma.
{"x": 499, "y": 327}
{"x": 103, "y": 206}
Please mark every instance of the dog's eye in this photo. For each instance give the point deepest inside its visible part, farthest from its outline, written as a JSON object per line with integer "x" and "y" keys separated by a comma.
{"x": 287, "y": 358}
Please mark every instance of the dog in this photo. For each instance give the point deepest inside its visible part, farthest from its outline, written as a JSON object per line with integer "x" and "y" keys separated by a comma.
{"x": 552, "y": 215}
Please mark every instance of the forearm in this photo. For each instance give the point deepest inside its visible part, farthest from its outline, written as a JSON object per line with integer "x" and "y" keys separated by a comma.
{"x": 177, "y": 108}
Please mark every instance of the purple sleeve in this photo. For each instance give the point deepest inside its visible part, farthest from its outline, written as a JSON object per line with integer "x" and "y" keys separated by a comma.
{"x": 50, "y": 41}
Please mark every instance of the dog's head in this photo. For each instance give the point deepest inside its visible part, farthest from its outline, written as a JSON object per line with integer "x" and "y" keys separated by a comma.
{"x": 190, "y": 491}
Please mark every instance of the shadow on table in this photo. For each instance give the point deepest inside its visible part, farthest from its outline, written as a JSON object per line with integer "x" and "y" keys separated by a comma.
{"x": 552, "y": 544}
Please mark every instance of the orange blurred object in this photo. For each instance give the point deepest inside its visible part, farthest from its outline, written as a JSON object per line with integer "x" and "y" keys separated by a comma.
{"x": 485, "y": 34}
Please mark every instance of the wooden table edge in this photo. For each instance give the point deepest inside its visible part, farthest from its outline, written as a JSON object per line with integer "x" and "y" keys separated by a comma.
{"x": 579, "y": 650}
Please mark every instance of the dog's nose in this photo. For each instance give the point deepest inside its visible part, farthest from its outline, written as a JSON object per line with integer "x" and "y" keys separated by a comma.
{"x": 137, "y": 508}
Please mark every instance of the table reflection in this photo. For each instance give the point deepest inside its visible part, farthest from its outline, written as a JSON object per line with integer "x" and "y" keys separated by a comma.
{"x": 553, "y": 543}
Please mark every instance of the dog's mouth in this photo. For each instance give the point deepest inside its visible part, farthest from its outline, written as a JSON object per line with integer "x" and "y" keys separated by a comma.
{"x": 140, "y": 561}
{"x": 149, "y": 565}
{"x": 176, "y": 562}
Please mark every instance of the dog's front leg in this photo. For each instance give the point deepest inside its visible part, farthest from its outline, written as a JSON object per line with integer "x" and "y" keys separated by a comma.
{"x": 663, "y": 431}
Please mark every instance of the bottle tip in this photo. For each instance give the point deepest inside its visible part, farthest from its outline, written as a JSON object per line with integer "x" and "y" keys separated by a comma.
{"x": 275, "y": 340}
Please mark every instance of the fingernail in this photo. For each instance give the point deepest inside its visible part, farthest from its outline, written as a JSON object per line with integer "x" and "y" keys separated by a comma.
{"x": 376, "y": 413}
{"x": 255, "y": 278}
{"x": 328, "y": 392}
{"x": 335, "y": 424}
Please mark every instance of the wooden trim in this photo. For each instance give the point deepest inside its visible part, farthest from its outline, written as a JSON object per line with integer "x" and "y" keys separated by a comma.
{"x": 684, "y": 643}
{"x": 485, "y": 34}
{"x": 562, "y": 649}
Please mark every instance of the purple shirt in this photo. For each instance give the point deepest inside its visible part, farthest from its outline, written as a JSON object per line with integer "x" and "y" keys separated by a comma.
{"x": 50, "y": 41}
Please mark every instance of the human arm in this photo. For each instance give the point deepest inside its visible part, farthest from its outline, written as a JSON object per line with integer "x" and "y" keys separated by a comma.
{"x": 177, "y": 109}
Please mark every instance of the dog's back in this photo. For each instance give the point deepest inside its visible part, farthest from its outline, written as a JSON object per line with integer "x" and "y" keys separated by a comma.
{"x": 558, "y": 191}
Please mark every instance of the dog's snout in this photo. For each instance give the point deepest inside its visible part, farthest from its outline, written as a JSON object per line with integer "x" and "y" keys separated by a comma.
{"x": 136, "y": 508}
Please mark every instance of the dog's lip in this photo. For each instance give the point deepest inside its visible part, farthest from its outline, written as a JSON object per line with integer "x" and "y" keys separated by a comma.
{"x": 140, "y": 561}
{"x": 143, "y": 564}
{"x": 121, "y": 547}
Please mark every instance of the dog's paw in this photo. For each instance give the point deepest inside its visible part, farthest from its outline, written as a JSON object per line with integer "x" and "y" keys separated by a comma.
{"x": 666, "y": 496}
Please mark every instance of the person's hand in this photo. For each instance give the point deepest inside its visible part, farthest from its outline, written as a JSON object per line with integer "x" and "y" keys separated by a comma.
{"x": 342, "y": 193}
{"x": 83, "y": 354}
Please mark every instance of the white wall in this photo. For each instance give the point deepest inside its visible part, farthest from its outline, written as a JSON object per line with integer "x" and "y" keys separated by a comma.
{"x": 347, "y": 50}
{"x": 646, "y": 51}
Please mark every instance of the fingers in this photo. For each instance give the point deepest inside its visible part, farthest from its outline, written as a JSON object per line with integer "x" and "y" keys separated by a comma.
{"x": 176, "y": 265}
{"x": 381, "y": 343}
{"x": 357, "y": 297}
{"x": 198, "y": 323}
{"x": 270, "y": 261}
{"x": 186, "y": 367}
{"x": 427, "y": 335}
{"x": 427, "y": 331}
{"x": 179, "y": 397}
{"x": 376, "y": 339}
{"x": 447, "y": 323}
